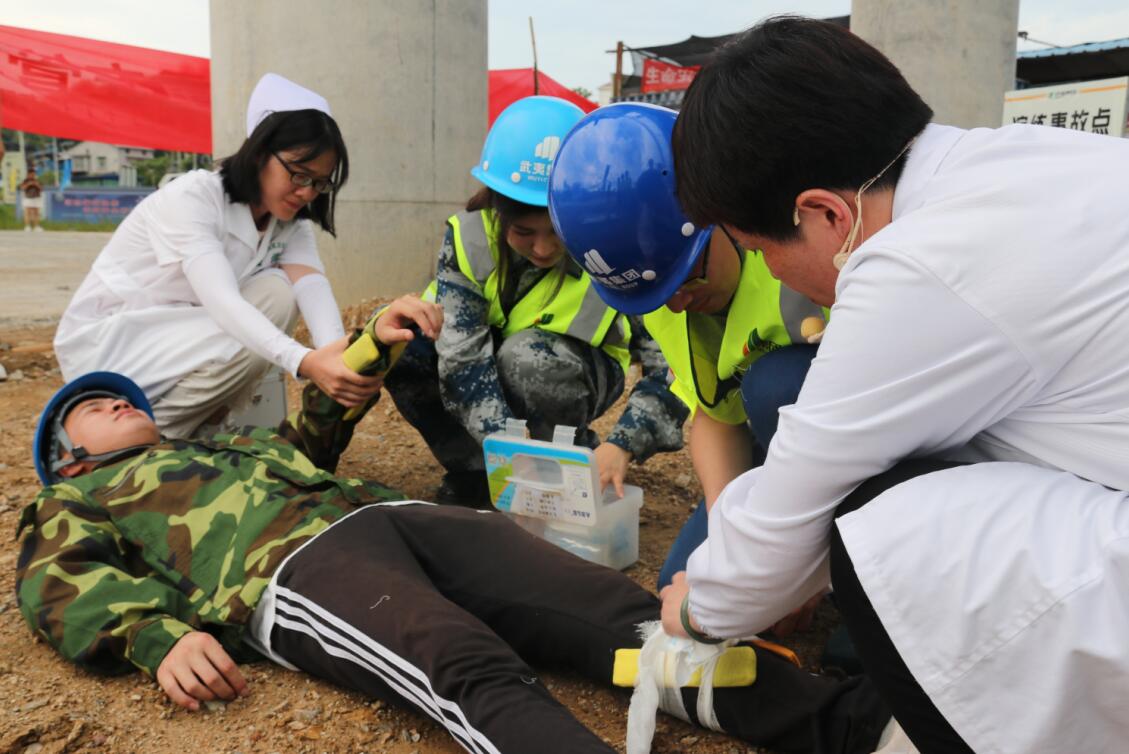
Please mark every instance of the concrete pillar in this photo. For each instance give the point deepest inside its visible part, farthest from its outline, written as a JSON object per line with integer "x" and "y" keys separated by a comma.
{"x": 406, "y": 80}
{"x": 958, "y": 54}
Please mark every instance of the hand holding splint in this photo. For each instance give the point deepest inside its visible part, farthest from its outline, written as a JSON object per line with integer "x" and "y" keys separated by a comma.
{"x": 393, "y": 323}
{"x": 197, "y": 669}
{"x": 337, "y": 379}
{"x": 327, "y": 370}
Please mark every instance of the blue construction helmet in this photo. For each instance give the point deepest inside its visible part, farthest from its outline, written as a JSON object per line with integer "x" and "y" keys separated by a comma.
{"x": 521, "y": 145}
{"x": 51, "y": 440}
{"x": 612, "y": 202}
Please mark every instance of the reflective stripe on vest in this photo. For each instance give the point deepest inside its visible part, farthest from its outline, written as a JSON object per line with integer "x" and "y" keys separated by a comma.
{"x": 576, "y": 310}
{"x": 708, "y": 358}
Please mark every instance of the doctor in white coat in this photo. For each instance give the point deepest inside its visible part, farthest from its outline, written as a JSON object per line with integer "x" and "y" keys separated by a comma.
{"x": 197, "y": 290}
{"x": 987, "y": 588}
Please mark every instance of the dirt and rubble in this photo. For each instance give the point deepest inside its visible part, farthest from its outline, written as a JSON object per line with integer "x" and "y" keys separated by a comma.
{"x": 48, "y": 706}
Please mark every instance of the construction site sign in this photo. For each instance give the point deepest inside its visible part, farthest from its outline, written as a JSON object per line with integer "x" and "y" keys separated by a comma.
{"x": 1095, "y": 106}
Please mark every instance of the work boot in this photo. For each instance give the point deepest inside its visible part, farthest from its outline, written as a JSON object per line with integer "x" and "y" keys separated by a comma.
{"x": 466, "y": 488}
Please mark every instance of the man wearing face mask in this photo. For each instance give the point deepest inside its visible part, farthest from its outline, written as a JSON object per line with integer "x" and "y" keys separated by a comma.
{"x": 959, "y": 474}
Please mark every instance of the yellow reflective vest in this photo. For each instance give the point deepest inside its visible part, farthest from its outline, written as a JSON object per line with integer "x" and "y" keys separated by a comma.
{"x": 709, "y": 353}
{"x": 576, "y": 310}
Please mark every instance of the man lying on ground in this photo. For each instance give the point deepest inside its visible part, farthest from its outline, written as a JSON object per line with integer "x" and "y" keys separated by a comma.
{"x": 182, "y": 558}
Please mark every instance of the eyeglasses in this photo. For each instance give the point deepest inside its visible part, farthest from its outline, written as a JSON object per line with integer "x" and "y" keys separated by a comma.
{"x": 305, "y": 180}
{"x": 701, "y": 279}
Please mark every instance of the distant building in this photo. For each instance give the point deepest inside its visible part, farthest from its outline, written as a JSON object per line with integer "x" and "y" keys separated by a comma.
{"x": 692, "y": 51}
{"x": 93, "y": 162}
{"x": 1082, "y": 62}
{"x": 604, "y": 93}
{"x": 1056, "y": 65}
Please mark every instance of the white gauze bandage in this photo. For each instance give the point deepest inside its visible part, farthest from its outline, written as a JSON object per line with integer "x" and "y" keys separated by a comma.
{"x": 666, "y": 663}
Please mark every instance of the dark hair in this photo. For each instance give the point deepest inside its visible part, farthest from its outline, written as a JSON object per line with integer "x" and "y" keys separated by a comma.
{"x": 310, "y": 131}
{"x": 788, "y": 105}
{"x": 507, "y": 210}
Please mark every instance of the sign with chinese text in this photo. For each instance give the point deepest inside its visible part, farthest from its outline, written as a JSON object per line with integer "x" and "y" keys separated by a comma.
{"x": 1095, "y": 106}
{"x": 660, "y": 77}
{"x": 93, "y": 206}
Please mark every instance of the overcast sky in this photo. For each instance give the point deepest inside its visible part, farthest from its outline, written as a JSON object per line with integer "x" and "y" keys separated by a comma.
{"x": 572, "y": 36}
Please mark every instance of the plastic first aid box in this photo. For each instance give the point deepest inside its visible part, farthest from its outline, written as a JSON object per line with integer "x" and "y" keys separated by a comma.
{"x": 550, "y": 490}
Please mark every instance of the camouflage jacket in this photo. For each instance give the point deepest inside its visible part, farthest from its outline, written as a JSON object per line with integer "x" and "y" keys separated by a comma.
{"x": 119, "y": 563}
{"x": 651, "y": 423}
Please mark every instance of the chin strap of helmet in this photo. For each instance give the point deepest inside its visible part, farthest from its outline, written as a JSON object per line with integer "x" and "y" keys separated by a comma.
{"x": 64, "y": 452}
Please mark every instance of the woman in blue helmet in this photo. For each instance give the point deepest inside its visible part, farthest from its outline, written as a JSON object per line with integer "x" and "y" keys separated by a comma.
{"x": 525, "y": 333}
{"x": 738, "y": 343}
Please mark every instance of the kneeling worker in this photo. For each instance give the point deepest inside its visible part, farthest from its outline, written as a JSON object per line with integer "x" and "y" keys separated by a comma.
{"x": 526, "y": 335}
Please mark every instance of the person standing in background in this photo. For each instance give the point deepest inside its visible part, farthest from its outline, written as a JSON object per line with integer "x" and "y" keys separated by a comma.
{"x": 33, "y": 200}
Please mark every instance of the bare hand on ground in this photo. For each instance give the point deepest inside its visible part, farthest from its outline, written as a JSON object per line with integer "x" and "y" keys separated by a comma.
{"x": 197, "y": 669}
{"x": 392, "y": 325}
{"x": 327, "y": 369}
{"x": 611, "y": 461}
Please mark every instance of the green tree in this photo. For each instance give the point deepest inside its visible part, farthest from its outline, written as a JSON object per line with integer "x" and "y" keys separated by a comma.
{"x": 585, "y": 93}
{"x": 150, "y": 171}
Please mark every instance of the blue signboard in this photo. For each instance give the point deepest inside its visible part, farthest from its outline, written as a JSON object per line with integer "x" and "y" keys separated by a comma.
{"x": 93, "y": 205}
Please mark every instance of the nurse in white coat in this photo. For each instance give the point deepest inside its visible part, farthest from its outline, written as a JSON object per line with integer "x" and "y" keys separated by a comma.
{"x": 197, "y": 290}
{"x": 989, "y": 600}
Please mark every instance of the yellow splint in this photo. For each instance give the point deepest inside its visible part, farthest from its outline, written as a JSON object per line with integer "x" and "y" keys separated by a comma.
{"x": 363, "y": 352}
{"x": 737, "y": 666}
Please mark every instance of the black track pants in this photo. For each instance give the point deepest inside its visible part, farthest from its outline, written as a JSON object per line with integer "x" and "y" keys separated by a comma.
{"x": 447, "y": 609}
{"x": 918, "y": 716}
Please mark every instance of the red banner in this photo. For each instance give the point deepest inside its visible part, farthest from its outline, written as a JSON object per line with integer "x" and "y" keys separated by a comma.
{"x": 659, "y": 76}
{"x": 77, "y": 88}
{"x": 510, "y": 84}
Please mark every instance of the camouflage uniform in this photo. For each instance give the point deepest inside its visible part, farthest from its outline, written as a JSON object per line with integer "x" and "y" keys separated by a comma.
{"x": 123, "y": 561}
{"x": 463, "y": 387}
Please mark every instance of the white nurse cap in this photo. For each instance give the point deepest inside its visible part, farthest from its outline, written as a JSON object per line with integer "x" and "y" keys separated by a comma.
{"x": 274, "y": 94}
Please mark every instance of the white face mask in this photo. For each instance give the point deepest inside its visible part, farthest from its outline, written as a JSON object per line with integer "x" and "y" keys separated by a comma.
{"x": 841, "y": 256}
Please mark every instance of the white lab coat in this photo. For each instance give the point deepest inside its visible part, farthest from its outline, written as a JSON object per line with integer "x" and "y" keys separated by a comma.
{"x": 987, "y": 321}
{"x": 137, "y": 314}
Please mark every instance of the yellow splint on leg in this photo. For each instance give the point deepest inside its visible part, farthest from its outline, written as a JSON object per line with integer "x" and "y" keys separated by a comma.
{"x": 737, "y": 666}
{"x": 363, "y": 352}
